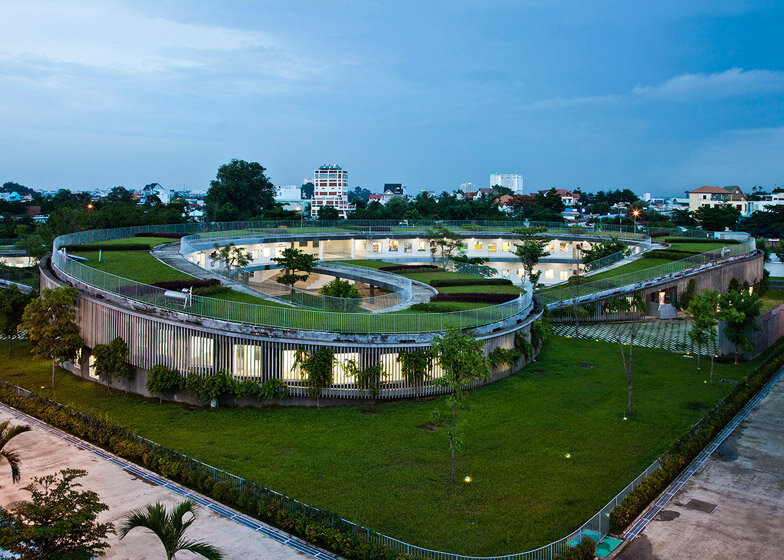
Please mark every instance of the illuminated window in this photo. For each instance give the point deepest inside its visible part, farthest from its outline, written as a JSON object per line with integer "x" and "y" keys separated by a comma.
{"x": 91, "y": 367}
{"x": 341, "y": 368}
{"x": 506, "y": 273}
{"x": 549, "y": 274}
{"x": 422, "y": 246}
{"x": 563, "y": 247}
{"x": 266, "y": 252}
{"x": 563, "y": 275}
{"x": 491, "y": 247}
{"x": 505, "y": 246}
{"x": 290, "y": 371}
{"x": 550, "y": 247}
{"x": 519, "y": 272}
{"x": 477, "y": 246}
{"x": 247, "y": 360}
{"x": 406, "y": 247}
{"x": 393, "y": 245}
{"x": 377, "y": 247}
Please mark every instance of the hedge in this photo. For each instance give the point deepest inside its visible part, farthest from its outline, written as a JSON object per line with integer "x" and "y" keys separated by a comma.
{"x": 320, "y": 527}
{"x": 164, "y": 234}
{"x": 701, "y": 240}
{"x": 470, "y": 282}
{"x": 185, "y": 284}
{"x": 685, "y": 449}
{"x": 410, "y": 268}
{"x": 474, "y": 297}
{"x": 107, "y": 247}
{"x": 669, "y": 255}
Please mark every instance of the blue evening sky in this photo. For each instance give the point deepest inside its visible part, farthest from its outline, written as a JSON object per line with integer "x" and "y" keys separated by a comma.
{"x": 657, "y": 96}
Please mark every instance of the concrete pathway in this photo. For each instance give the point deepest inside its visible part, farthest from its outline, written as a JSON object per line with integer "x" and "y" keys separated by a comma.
{"x": 732, "y": 507}
{"x": 45, "y": 450}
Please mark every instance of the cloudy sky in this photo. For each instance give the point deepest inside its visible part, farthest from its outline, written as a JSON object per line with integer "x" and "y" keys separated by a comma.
{"x": 654, "y": 96}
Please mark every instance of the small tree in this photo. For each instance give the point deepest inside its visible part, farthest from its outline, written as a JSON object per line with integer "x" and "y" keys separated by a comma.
{"x": 294, "y": 261}
{"x": 12, "y": 305}
{"x": 444, "y": 244}
{"x": 618, "y": 335}
{"x": 415, "y": 365}
{"x": 368, "y": 379}
{"x": 110, "y": 361}
{"x": 315, "y": 369}
{"x": 170, "y": 528}
{"x": 738, "y": 310}
{"x": 50, "y": 323}
{"x": 59, "y": 521}
{"x": 462, "y": 359}
{"x": 230, "y": 256}
{"x": 602, "y": 249}
{"x": 162, "y": 379}
{"x": 702, "y": 314}
{"x": 531, "y": 250}
{"x": 7, "y": 433}
{"x": 340, "y": 288}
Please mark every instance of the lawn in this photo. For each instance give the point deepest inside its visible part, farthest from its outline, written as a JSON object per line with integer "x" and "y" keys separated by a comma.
{"x": 772, "y": 299}
{"x": 378, "y": 467}
{"x": 696, "y": 247}
{"x": 151, "y": 241}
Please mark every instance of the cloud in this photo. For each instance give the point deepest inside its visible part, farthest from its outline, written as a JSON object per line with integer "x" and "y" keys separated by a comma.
{"x": 686, "y": 87}
{"x": 112, "y": 37}
{"x": 730, "y": 83}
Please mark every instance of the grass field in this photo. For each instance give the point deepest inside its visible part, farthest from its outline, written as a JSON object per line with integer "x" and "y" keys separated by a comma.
{"x": 378, "y": 467}
{"x": 696, "y": 247}
{"x": 772, "y": 299}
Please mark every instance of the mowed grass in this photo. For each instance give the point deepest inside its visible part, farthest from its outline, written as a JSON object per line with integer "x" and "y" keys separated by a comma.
{"x": 772, "y": 299}
{"x": 377, "y": 467}
{"x": 151, "y": 241}
{"x": 696, "y": 247}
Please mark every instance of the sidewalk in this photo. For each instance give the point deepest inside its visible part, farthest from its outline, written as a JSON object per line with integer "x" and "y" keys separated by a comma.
{"x": 45, "y": 450}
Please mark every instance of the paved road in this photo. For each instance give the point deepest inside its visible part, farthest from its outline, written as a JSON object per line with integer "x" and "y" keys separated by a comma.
{"x": 44, "y": 453}
{"x": 733, "y": 507}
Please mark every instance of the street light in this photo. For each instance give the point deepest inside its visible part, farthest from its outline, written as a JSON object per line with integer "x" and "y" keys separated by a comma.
{"x": 301, "y": 217}
{"x": 635, "y": 213}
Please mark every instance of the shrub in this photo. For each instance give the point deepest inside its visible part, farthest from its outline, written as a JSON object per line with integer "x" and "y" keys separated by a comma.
{"x": 539, "y": 333}
{"x": 162, "y": 380}
{"x": 701, "y": 240}
{"x": 470, "y": 282}
{"x": 688, "y": 295}
{"x": 211, "y": 290}
{"x": 109, "y": 247}
{"x": 504, "y": 356}
{"x": 410, "y": 268}
{"x": 474, "y": 297}
{"x": 185, "y": 284}
{"x": 585, "y": 550}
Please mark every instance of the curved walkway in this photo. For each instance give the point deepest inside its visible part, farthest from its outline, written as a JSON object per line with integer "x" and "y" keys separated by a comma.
{"x": 124, "y": 486}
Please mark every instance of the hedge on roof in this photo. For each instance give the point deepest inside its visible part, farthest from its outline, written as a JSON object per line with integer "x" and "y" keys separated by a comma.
{"x": 474, "y": 297}
{"x": 470, "y": 282}
{"x": 410, "y": 268}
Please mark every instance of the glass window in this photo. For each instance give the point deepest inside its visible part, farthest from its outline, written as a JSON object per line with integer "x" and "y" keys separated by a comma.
{"x": 491, "y": 247}
{"x": 406, "y": 247}
{"x": 550, "y": 247}
{"x": 505, "y": 246}
{"x": 564, "y": 247}
{"x": 91, "y": 367}
{"x": 477, "y": 246}
{"x": 290, "y": 372}
{"x": 200, "y": 352}
{"x": 549, "y": 274}
{"x": 340, "y": 368}
{"x": 519, "y": 272}
{"x": 393, "y": 245}
{"x": 506, "y": 273}
{"x": 376, "y": 247}
{"x": 563, "y": 275}
{"x": 422, "y": 246}
{"x": 247, "y": 360}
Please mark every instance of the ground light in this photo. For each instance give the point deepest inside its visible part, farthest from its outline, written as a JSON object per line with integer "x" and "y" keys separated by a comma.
{"x": 568, "y": 455}
{"x": 467, "y": 479}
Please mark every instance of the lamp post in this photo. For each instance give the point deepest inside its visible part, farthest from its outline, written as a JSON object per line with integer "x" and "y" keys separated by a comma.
{"x": 301, "y": 217}
{"x": 635, "y": 213}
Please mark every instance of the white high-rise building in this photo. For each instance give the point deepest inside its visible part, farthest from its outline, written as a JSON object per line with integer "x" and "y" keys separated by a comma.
{"x": 511, "y": 181}
{"x": 330, "y": 188}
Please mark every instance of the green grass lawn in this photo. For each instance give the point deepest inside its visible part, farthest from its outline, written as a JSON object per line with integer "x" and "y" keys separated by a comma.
{"x": 772, "y": 299}
{"x": 696, "y": 247}
{"x": 377, "y": 467}
{"x": 151, "y": 241}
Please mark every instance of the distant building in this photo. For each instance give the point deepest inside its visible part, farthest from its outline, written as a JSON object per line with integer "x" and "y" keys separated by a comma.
{"x": 567, "y": 197}
{"x": 290, "y": 196}
{"x": 375, "y": 197}
{"x": 775, "y": 199}
{"x": 511, "y": 181}
{"x": 717, "y": 196}
{"x": 154, "y": 189}
{"x": 330, "y": 188}
{"x": 467, "y": 187}
{"x": 391, "y": 190}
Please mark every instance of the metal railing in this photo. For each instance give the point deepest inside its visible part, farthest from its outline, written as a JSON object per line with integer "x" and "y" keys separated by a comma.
{"x": 640, "y": 278}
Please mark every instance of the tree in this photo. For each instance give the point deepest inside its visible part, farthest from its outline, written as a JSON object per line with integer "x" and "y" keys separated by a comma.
{"x": 444, "y": 243}
{"x": 328, "y": 213}
{"x": 463, "y": 362}
{"x": 415, "y": 366}
{"x": 120, "y": 194}
{"x": 170, "y": 528}
{"x": 230, "y": 256}
{"x": 110, "y": 361}
{"x": 50, "y": 323}
{"x": 627, "y": 367}
{"x": 12, "y": 304}
{"x": 7, "y": 433}
{"x": 340, "y": 289}
{"x": 702, "y": 313}
{"x": 531, "y": 250}
{"x": 292, "y": 261}
{"x": 717, "y": 218}
{"x": 306, "y": 190}
{"x": 315, "y": 369}
{"x": 240, "y": 191}
{"x": 602, "y": 249}
{"x": 738, "y": 310}
{"x": 59, "y": 521}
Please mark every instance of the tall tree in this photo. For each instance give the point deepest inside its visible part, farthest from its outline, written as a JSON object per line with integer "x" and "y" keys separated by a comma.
{"x": 240, "y": 191}
{"x": 463, "y": 362}
{"x": 702, "y": 313}
{"x": 294, "y": 261}
{"x": 110, "y": 361}
{"x": 717, "y": 218}
{"x": 50, "y": 323}
{"x": 738, "y": 310}
{"x": 12, "y": 305}
{"x": 170, "y": 527}
{"x": 10, "y": 456}
{"x": 628, "y": 367}
{"x": 444, "y": 243}
{"x": 59, "y": 521}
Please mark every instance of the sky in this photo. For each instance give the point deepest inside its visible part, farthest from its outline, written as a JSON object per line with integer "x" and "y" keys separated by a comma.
{"x": 658, "y": 97}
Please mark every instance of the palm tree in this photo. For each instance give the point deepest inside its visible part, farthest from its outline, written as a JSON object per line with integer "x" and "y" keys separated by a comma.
{"x": 6, "y": 435}
{"x": 170, "y": 528}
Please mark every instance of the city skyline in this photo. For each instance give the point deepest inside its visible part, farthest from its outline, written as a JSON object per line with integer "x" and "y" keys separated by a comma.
{"x": 656, "y": 99}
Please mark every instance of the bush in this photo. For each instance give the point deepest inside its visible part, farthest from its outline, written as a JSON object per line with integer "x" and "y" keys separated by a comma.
{"x": 162, "y": 380}
{"x": 410, "y": 268}
{"x": 586, "y": 550}
{"x": 186, "y": 284}
{"x": 107, "y": 247}
{"x": 504, "y": 356}
{"x": 475, "y": 297}
{"x": 668, "y": 255}
{"x": 470, "y": 282}
{"x": 701, "y": 240}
